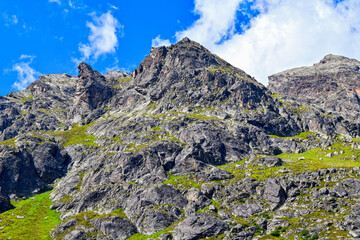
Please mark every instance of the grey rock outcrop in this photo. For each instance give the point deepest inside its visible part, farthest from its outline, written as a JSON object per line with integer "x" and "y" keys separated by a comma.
{"x": 115, "y": 227}
{"x": 274, "y": 193}
{"x": 199, "y": 226}
{"x": 92, "y": 92}
{"x": 332, "y": 84}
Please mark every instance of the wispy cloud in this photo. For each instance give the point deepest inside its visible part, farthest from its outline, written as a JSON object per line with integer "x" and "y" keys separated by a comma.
{"x": 10, "y": 20}
{"x": 55, "y": 1}
{"x": 113, "y": 6}
{"x": 284, "y": 34}
{"x": 157, "y": 42}
{"x": 115, "y": 67}
{"x": 103, "y": 38}
{"x": 71, "y": 4}
{"x": 25, "y": 56}
{"x": 26, "y": 74}
{"x": 217, "y": 19}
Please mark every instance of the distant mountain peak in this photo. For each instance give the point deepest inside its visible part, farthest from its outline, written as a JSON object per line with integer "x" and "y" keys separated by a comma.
{"x": 332, "y": 84}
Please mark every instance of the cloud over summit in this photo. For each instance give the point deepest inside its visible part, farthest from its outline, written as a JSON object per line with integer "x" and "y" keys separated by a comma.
{"x": 284, "y": 33}
{"x": 103, "y": 38}
{"x": 26, "y": 74}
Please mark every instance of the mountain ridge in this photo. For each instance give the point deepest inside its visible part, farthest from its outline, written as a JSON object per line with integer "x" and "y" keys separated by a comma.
{"x": 184, "y": 147}
{"x": 331, "y": 84}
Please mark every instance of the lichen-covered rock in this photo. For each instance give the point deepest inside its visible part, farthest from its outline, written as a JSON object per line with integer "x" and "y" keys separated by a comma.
{"x": 269, "y": 162}
{"x": 115, "y": 227}
{"x": 155, "y": 209}
{"x": 199, "y": 226}
{"x": 274, "y": 193}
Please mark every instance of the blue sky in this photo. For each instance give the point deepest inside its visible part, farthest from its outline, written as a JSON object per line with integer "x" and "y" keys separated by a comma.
{"x": 48, "y": 34}
{"x": 259, "y": 36}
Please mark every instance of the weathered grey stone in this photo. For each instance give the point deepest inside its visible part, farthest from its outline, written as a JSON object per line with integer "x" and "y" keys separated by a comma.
{"x": 274, "y": 193}
{"x": 199, "y": 226}
{"x": 247, "y": 210}
{"x": 269, "y": 162}
{"x": 143, "y": 208}
{"x": 115, "y": 227}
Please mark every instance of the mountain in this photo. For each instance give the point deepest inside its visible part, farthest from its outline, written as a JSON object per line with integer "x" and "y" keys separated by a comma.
{"x": 185, "y": 147}
{"x": 332, "y": 84}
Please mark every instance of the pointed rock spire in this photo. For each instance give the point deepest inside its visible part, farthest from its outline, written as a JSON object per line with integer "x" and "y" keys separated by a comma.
{"x": 91, "y": 92}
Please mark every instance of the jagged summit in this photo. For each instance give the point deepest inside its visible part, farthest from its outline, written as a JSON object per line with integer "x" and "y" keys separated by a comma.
{"x": 184, "y": 54}
{"x": 188, "y": 73}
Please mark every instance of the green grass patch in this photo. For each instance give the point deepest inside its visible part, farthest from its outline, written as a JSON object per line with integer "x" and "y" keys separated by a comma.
{"x": 132, "y": 147}
{"x": 277, "y": 96}
{"x": 9, "y": 142}
{"x": 234, "y": 168}
{"x": 26, "y": 99}
{"x": 84, "y": 220}
{"x": 38, "y": 219}
{"x": 117, "y": 139}
{"x": 303, "y": 135}
{"x": 213, "y": 70}
{"x": 182, "y": 182}
{"x": 174, "y": 115}
{"x": 77, "y": 135}
{"x": 66, "y": 199}
{"x": 124, "y": 80}
{"x": 202, "y": 117}
{"x": 316, "y": 158}
{"x": 310, "y": 160}
{"x": 44, "y": 110}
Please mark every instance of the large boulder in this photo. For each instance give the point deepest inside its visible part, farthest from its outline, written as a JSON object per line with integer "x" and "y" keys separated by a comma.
{"x": 199, "y": 226}
{"x": 274, "y": 193}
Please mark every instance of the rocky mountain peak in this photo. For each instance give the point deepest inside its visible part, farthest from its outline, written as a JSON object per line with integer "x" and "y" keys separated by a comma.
{"x": 187, "y": 73}
{"x": 333, "y": 84}
{"x": 92, "y": 91}
{"x": 335, "y": 64}
{"x": 87, "y": 73}
{"x": 330, "y": 64}
{"x": 84, "y": 68}
{"x": 333, "y": 58}
{"x": 185, "y": 54}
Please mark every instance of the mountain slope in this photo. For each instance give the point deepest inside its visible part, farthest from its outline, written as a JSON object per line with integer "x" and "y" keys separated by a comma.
{"x": 179, "y": 149}
{"x": 332, "y": 84}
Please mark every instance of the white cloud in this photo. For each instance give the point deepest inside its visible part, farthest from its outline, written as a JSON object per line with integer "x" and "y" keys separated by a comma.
{"x": 115, "y": 67}
{"x": 71, "y": 4}
{"x": 113, "y": 6}
{"x": 10, "y": 20}
{"x": 14, "y": 19}
{"x": 285, "y": 34}
{"x": 217, "y": 20}
{"x": 55, "y": 1}
{"x": 157, "y": 42}
{"x": 25, "y": 56}
{"x": 103, "y": 38}
{"x": 26, "y": 74}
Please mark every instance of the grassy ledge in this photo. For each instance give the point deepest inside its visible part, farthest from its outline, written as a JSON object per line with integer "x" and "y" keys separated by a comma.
{"x": 30, "y": 219}
{"x": 77, "y": 135}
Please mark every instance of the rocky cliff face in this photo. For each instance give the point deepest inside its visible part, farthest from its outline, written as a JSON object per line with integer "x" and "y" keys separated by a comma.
{"x": 332, "y": 84}
{"x": 183, "y": 148}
